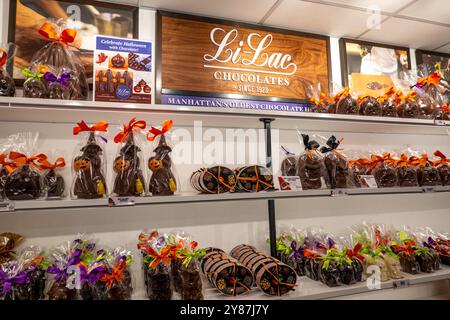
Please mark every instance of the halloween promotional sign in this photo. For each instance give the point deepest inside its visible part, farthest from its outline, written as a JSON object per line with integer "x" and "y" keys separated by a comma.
{"x": 214, "y": 63}
{"x": 123, "y": 70}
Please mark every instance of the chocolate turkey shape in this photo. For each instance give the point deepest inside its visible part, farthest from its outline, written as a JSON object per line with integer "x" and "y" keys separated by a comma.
{"x": 87, "y": 181}
{"x": 129, "y": 180}
{"x": 162, "y": 177}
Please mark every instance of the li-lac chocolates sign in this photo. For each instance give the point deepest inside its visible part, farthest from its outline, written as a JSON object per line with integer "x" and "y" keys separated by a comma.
{"x": 207, "y": 62}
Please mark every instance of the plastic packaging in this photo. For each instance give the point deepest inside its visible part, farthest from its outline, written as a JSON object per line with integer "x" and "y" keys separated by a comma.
{"x": 427, "y": 173}
{"x": 345, "y": 103}
{"x": 89, "y": 167}
{"x": 35, "y": 85}
{"x": 289, "y": 163}
{"x": 311, "y": 167}
{"x": 163, "y": 181}
{"x": 53, "y": 181}
{"x": 443, "y": 167}
{"x": 369, "y": 106}
{"x": 336, "y": 164}
{"x": 388, "y": 107}
{"x": 384, "y": 170}
{"x": 62, "y": 70}
{"x": 254, "y": 179}
{"x": 129, "y": 179}
{"x": 217, "y": 179}
{"x": 407, "y": 173}
{"x": 317, "y": 99}
{"x": 25, "y": 183}
{"x": 7, "y": 85}
{"x": 6, "y": 168}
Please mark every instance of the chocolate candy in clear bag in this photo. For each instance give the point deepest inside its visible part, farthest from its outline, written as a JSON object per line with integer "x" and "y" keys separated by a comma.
{"x": 54, "y": 184}
{"x": 7, "y": 85}
{"x": 289, "y": 166}
{"x": 369, "y": 106}
{"x": 428, "y": 176}
{"x": 3, "y": 174}
{"x": 347, "y": 105}
{"x": 388, "y": 109}
{"x": 408, "y": 110}
{"x": 35, "y": 88}
{"x": 24, "y": 183}
{"x": 444, "y": 174}
{"x": 407, "y": 176}
{"x": 330, "y": 275}
{"x": 191, "y": 284}
{"x": 385, "y": 176}
{"x": 309, "y": 169}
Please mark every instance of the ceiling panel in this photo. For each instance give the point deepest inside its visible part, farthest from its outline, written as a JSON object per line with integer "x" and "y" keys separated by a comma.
{"x": 433, "y": 10}
{"x": 383, "y": 5}
{"x": 318, "y": 18}
{"x": 409, "y": 33}
{"x": 248, "y": 10}
{"x": 445, "y": 49}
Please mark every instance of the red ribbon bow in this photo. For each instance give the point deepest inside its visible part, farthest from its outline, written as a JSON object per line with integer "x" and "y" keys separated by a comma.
{"x": 128, "y": 128}
{"x": 116, "y": 274}
{"x": 164, "y": 256}
{"x": 83, "y": 127}
{"x": 167, "y": 125}
{"x": 354, "y": 253}
{"x": 48, "y": 31}
{"x": 444, "y": 160}
{"x": 59, "y": 163}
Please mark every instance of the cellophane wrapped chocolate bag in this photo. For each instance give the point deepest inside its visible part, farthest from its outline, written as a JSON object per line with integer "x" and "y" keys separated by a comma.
{"x": 337, "y": 164}
{"x": 317, "y": 98}
{"x": 35, "y": 86}
{"x": 162, "y": 180}
{"x": 311, "y": 166}
{"x": 24, "y": 182}
{"x": 89, "y": 162}
{"x": 442, "y": 164}
{"x": 116, "y": 281}
{"x": 427, "y": 173}
{"x": 6, "y": 166}
{"x": 128, "y": 177}
{"x": 345, "y": 103}
{"x": 369, "y": 106}
{"x": 7, "y": 86}
{"x": 53, "y": 180}
{"x": 60, "y": 65}
{"x": 384, "y": 170}
{"x": 432, "y": 81}
{"x": 289, "y": 162}
{"x": 406, "y": 172}
{"x": 387, "y": 102}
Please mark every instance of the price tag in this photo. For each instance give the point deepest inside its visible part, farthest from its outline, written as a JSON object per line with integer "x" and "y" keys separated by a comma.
{"x": 287, "y": 183}
{"x": 120, "y": 201}
{"x": 404, "y": 283}
{"x": 439, "y": 122}
{"x": 368, "y": 181}
{"x": 339, "y": 192}
{"x": 6, "y": 206}
{"x": 428, "y": 189}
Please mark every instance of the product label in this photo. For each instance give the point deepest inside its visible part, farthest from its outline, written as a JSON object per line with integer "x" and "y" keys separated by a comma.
{"x": 289, "y": 183}
{"x": 6, "y": 206}
{"x": 120, "y": 201}
{"x": 123, "y": 70}
{"x": 368, "y": 181}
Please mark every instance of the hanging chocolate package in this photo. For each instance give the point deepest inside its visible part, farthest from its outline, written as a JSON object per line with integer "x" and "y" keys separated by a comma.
{"x": 7, "y": 86}
{"x": 89, "y": 162}
{"x": 336, "y": 164}
{"x": 311, "y": 167}
{"x": 128, "y": 174}
{"x": 60, "y": 65}
{"x": 163, "y": 180}
{"x": 25, "y": 181}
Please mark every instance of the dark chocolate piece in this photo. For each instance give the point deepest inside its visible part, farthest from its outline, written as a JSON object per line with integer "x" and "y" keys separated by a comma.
{"x": 408, "y": 110}
{"x": 347, "y": 105}
{"x": 129, "y": 180}
{"x": 23, "y": 183}
{"x": 162, "y": 181}
{"x": 54, "y": 184}
{"x": 7, "y": 86}
{"x": 369, "y": 106}
{"x": 428, "y": 176}
{"x": 89, "y": 180}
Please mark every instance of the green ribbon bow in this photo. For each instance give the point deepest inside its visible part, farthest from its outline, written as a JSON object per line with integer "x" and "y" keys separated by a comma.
{"x": 31, "y": 75}
{"x": 189, "y": 255}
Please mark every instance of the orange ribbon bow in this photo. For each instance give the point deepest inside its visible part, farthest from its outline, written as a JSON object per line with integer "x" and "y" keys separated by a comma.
{"x": 3, "y": 57}
{"x": 59, "y": 163}
{"x": 319, "y": 101}
{"x": 19, "y": 159}
{"x": 446, "y": 108}
{"x": 403, "y": 161}
{"x": 432, "y": 80}
{"x": 82, "y": 127}
{"x": 444, "y": 160}
{"x": 48, "y": 31}
{"x": 164, "y": 256}
{"x": 167, "y": 125}
{"x": 362, "y": 97}
{"x": 8, "y": 165}
{"x": 116, "y": 274}
{"x": 128, "y": 128}
{"x": 344, "y": 92}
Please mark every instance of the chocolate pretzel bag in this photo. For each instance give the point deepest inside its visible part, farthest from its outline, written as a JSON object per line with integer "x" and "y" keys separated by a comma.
{"x": 163, "y": 181}
{"x": 7, "y": 86}
{"x": 60, "y": 65}
{"x": 24, "y": 182}
{"x": 89, "y": 162}
{"x": 128, "y": 174}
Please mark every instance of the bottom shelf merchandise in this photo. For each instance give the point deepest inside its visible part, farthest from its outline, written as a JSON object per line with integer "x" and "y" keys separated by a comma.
{"x": 311, "y": 264}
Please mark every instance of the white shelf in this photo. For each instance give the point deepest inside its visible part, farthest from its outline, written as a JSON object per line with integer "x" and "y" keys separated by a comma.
{"x": 308, "y": 289}
{"x": 25, "y": 109}
{"x": 37, "y": 205}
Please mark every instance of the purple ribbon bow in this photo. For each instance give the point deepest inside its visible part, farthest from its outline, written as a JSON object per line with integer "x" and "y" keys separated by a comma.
{"x": 296, "y": 253}
{"x": 92, "y": 276}
{"x": 63, "y": 79}
{"x": 57, "y": 272}
{"x": 429, "y": 243}
{"x": 7, "y": 282}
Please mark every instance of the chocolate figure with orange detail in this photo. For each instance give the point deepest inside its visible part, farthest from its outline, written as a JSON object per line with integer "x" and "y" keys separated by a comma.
{"x": 89, "y": 180}
{"x": 162, "y": 181}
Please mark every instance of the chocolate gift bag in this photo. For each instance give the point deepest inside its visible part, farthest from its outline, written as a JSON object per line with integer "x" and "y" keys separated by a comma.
{"x": 430, "y": 82}
{"x": 117, "y": 277}
{"x": 25, "y": 181}
{"x": 407, "y": 106}
{"x": 317, "y": 99}
{"x": 407, "y": 173}
{"x": 311, "y": 166}
{"x": 345, "y": 103}
{"x": 53, "y": 180}
{"x": 163, "y": 180}
{"x": 427, "y": 173}
{"x": 387, "y": 102}
{"x": 35, "y": 85}
{"x": 6, "y": 167}
{"x": 289, "y": 163}
{"x": 336, "y": 164}
{"x": 89, "y": 162}
{"x": 443, "y": 167}
{"x": 384, "y": 170}
{"x": 60, "y": 64}
{"x": 128, "y": 175}
{"x": 7, "y": 86}
{"x": 369, "y": 106}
